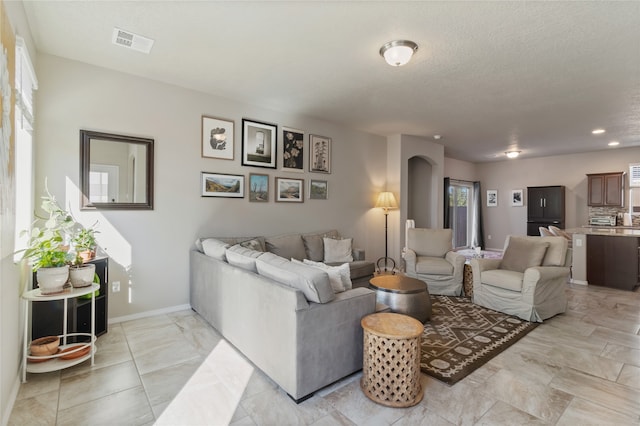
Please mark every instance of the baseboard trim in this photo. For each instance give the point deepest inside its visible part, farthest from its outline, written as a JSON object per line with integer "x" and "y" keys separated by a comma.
{"x": 12, "y": 399}
{"x": 149, "y": 313}
{"x": 580, "y": 282}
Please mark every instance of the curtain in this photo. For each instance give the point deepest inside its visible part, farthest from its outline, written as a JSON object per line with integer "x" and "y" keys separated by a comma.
{"x": 447, "y": 203}
{"x": 477, "y": 239}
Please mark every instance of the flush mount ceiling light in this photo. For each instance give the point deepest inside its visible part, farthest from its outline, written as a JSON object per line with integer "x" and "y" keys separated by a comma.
{"x": 613, "y": 143}
{"x": 598, "y": 131}
{"x": 398, "y": 52}
{"x": 512, "y": 154}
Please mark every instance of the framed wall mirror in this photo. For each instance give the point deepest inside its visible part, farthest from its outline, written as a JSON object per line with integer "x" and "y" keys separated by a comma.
{"x": 116, "y": 171}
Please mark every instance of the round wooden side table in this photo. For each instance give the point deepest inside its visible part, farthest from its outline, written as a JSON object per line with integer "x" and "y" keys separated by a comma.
{"x": 391, "y": 359}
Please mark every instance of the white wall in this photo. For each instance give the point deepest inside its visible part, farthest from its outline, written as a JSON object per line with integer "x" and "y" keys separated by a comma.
{"x": 567, "y": 170}
{"x": 149, "y": 249}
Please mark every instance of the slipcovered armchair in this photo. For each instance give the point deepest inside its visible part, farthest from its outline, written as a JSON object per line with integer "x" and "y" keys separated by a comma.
{"x": 529, "y": 281}
{"x": 429, "y": 257}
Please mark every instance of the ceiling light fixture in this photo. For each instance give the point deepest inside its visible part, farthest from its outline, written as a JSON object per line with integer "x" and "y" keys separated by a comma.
{"x": 613, "y": 143}
{"x": 398, "y": 52}
{"x": 512, "y": 154}
{"x": 598, "y": 131}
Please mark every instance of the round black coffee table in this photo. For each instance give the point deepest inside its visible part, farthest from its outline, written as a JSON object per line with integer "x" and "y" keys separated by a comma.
{"x": 403, "y": 295}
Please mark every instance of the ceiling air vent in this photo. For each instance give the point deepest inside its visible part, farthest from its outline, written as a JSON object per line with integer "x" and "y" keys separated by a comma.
{"x": 131, "y": 41}
{"x": 634, "y": 175}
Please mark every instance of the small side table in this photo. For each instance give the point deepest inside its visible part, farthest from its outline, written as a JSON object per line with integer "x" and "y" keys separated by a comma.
{"x": 391, "y": 359}
{"x": 56, "y": 362}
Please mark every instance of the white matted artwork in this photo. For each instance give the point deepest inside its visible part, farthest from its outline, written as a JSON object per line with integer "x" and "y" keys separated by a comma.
{"x": 492, "y": 198}
{"x": 217, "y": 138}
{"x": 517, "y": 198}
{"x": 319, "y": 154}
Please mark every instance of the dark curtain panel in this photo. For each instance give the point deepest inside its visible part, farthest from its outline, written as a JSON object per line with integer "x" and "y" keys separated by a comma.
{"x": 447, "y": 203}
{"x": 477, "y": 239}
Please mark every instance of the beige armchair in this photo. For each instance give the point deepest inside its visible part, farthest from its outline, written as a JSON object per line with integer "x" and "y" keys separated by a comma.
{"x": 529, "y": 281}
{"x": 429, "y": 257}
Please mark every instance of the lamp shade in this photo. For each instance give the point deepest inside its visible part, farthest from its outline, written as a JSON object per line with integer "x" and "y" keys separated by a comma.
{"x": 386, "y": 201}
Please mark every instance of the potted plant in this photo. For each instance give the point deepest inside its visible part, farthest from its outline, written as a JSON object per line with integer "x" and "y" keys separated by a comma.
{"x": 46, "y": 250}
{"x": 84, "y": 241}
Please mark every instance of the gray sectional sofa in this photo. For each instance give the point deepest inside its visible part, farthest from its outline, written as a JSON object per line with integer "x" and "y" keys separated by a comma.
{"x": 285, "y": 316}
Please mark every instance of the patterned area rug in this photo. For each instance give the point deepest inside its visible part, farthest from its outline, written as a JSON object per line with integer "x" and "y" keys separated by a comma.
{"x": 462, "y": 336}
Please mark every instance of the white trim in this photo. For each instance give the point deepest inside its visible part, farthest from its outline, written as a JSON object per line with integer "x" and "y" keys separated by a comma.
{"x": 12, "y": 400}
{"x": 580, "y": 282}
{"x": 21, "y": 47}
{"x": 146, "y": 314}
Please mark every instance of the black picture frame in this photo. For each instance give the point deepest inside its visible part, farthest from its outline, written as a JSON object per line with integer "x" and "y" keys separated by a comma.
{"x": 259, "y": 146}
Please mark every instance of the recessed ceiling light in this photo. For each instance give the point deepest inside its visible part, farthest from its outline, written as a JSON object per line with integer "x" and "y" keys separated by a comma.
{"x": 598, "y": 131}
{"x": 512, "y": 154}
{"x": 437, "y": 137}
{"x": 614, "y": 143}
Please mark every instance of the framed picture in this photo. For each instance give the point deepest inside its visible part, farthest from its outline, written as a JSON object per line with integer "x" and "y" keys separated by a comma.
{"x": 292, "y": 150}
{"x": 290, "y": 190}
{"x": 222, "y": 185}
{"x": 318, "y": 189}
{"x": 217, "y": 138}
{"x": 517, "y": 198}
{"x": 319, "y": 154}
{"x": 259, "y": 144}
{"x": 258, "y": 187}
{"x": 492, "y": 198}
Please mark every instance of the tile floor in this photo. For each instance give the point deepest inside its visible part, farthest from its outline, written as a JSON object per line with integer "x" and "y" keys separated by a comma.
{"x": 579, "y": 368}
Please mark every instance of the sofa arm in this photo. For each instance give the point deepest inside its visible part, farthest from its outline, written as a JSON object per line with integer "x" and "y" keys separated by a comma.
{"x": 410, "y": 260}
{"x": 358, "y": 254}
{"x": 538, "y": 276}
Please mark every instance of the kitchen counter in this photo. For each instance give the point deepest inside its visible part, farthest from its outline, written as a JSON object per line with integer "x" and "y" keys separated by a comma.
{"x": 615, "y": 231}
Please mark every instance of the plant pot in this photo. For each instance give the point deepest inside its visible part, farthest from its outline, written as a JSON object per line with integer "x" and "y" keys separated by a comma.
{"x": 87, "y": 255}
{"x": 52, "y": 280}
{"x": 82, "y": 275}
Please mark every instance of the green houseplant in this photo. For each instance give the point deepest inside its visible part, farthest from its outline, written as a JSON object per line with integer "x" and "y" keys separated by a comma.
{"x": 46, "y": 250}
{"x": 81, "y": 274}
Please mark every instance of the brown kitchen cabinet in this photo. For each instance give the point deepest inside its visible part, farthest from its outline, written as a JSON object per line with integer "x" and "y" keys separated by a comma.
{"x": 606, "y": 189}
{"x": 613, "y": 261}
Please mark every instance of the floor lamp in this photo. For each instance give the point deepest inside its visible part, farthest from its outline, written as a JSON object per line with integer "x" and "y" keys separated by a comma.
{"x": 386, "y": 201}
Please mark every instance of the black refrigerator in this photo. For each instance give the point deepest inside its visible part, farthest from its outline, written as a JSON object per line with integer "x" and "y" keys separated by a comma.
{"x": 545, "y": 206}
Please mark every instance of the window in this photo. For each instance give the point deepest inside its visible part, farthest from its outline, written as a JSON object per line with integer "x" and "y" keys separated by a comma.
{"x": 25, "y": 83}
{"x": 461, "y": 213}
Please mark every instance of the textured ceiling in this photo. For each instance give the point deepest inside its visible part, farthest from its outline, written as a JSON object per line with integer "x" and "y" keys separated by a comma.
{"x": 488, "y": 76}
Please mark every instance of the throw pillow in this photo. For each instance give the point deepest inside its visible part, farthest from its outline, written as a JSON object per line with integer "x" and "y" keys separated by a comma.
{"x": 344, "y": 270}
{"x": 243, "y": 257}
{"x": 215, "y": 248}
{"x": 337, "y": 250}
{"x": 314, "y": 246}
{"x": 286, "y": 246}
{"x": 522, "y": 254}
{"x": 252, "y": 244}
{"x": 313, "y": 282}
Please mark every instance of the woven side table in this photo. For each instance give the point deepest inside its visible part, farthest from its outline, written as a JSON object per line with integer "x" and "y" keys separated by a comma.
{"x": 391, "y": 359}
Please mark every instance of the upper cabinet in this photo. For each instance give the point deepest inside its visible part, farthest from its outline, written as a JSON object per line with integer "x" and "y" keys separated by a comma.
{"x": 606, "y": 189}
{"x": 545, "y": 203}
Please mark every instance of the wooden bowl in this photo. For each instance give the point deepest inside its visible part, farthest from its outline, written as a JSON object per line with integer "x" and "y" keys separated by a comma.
{"x": 43, "y": 346}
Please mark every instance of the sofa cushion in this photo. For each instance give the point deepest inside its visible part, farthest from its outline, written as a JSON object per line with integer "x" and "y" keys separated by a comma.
{"x": 430, "y": 242}
{"x": 337, "y": 250}
{"x": 501, "y": 278}
{"x": 335, "y": 276}
{"x": 343, "y": 271}
{"x": 288, "y": 246}
{"x": 243, "y": 257}
{"x": 214, "y": 248}
{"x": 433, "y": 266}
{"x": 313, "y": 282}
{"x": 523, "y": 253}
{"x": 556, "y": 252}
{"x": 314, "y": 246}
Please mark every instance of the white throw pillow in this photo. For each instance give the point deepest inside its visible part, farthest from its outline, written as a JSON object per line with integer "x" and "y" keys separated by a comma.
{"x": 337, "y": 250}
{"x": 215, "y": 248}
{"x": 343, "y": 270}
{"x": 335, "y": 278}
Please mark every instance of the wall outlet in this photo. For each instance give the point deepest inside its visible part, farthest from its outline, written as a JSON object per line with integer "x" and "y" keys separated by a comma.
{"x": 115, "y": 286}
{"x": 578, "y": 242}
{"x": 488, "y": 237}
